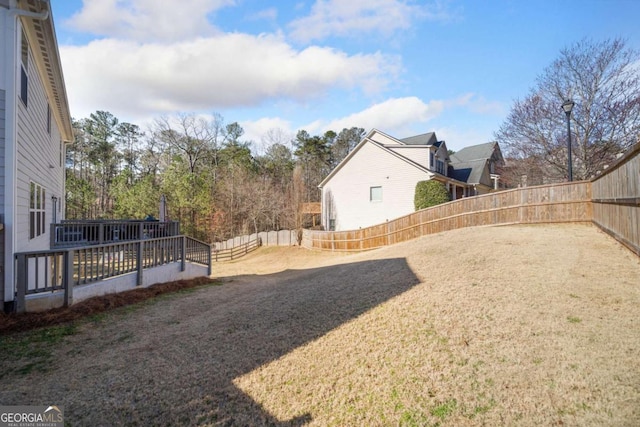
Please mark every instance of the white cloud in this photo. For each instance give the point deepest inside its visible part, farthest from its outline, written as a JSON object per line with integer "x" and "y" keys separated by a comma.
{"x": 147, "y": 20}
{"x": 270, "y": 14}
{"x": 212, "y": 73}
{"x": 404, "y": 117}
{"x": 395, "y": 116}
{"x": 477, "y": 104}
{"x": 346, "y": 18}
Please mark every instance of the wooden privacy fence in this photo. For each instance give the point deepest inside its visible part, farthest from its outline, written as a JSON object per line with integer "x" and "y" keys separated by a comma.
{"x": 268, "y": 238}
{"x": 237, "y": 251}
{"x": 566, "y": 202}
{"x": 616, "y": 200}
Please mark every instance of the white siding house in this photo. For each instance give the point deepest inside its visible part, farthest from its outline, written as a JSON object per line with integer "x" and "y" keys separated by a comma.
{"x": 35, "y": 124}
{"x": 376, "y": 182}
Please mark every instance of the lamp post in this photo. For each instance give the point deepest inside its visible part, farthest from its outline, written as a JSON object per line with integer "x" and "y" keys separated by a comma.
{"x": 567, "y": 106}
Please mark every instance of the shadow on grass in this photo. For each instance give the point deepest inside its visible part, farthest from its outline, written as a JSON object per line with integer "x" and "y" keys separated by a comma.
{"x": 181, "y": 372}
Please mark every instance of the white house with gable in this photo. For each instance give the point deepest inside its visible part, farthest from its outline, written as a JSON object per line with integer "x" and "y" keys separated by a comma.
{"x": 376, "y": 182}
{"x": 35, "y": 125}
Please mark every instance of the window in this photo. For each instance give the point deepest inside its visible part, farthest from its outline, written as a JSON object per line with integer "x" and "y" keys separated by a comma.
{"x": 24, "y": 79}
{"x": 332, "y": 225}
{"x": 375, "y": 194}
{"x": 36, "y": 211}
{"x": 432, "y": 161}
{"x": 440, "y": 167}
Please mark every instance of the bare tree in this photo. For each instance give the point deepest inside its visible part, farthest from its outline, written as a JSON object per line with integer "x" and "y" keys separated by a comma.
{"x": 603, "y": 80}
{"x": 190, "y": 136}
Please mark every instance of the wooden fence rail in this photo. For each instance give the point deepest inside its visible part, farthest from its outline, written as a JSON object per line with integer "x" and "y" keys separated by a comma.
{"x": 566, "y": 202}
{"x": 237, "y": 251}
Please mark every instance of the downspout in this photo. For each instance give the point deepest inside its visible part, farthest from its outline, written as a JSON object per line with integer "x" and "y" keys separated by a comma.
{"x": 10, "y": 161}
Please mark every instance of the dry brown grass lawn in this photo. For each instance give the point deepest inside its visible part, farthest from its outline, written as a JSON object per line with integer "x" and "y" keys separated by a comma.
{"x": 516, "y": 325}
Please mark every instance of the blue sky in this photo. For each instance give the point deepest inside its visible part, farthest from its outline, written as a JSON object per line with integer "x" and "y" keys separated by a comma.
{"x": 403, "y": 67}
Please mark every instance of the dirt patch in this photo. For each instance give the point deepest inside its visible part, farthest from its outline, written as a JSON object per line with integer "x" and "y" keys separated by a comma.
{"x": 513, "y": 325}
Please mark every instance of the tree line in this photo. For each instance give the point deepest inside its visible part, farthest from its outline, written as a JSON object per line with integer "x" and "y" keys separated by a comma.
{"x": 215, "y": 185}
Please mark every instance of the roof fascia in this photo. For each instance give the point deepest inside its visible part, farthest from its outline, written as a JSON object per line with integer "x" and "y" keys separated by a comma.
{"x": 373, "y": 131}
{"x": 42, "y": 40}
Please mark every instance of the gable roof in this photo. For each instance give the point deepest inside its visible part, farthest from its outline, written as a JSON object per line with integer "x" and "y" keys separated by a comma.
{"x": 424, "y": 139}
{"x": 469, "y": 172}
{"x": 476, "y": 152}
{"x": 467, "y": 165}
{"x": 367, "y": 139}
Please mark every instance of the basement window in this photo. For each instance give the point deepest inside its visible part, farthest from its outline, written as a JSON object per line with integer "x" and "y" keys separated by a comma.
{"x": 375, "y": 194}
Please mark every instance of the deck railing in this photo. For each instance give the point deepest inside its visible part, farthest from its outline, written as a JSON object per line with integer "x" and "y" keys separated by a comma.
{"x": 62, "y": 269}
{"x": 86, "y": 233}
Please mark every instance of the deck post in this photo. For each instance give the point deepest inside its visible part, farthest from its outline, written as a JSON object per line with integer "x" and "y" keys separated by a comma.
{"x": 139, "y": 260}
{"x": 22, "y": 278}
{"x": 183, "y": 261}
{"x": 67, "y": 277}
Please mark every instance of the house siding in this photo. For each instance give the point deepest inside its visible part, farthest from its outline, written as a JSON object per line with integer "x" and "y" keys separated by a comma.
{"x": 485, "y": 182}
{"x": 2, "y": 192}
{"x": 416, "y": 153}
{"x": 382, "y": 138}
{"x": 346, "y": 195}
{"x": 37, "y": 160}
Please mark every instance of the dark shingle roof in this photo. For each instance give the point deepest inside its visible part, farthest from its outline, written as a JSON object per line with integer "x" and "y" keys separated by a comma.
{"x": 424, "y": 139}
{"x": 475, "y": 152}
{"x": 469, "y": 172}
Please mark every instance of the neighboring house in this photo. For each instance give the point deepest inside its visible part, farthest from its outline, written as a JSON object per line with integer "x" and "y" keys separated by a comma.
{"x": 376, "y": 182}
{"x": 35, "y": 124}
{"x": 478, "y": 166}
